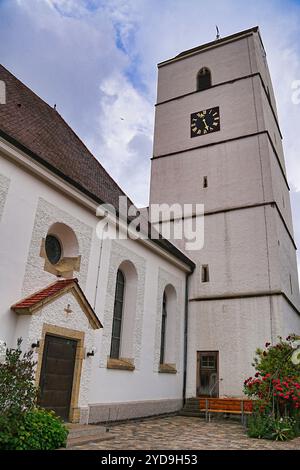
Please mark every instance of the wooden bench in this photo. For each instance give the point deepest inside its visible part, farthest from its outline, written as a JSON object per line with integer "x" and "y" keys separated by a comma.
{"x": 235, "y": 406}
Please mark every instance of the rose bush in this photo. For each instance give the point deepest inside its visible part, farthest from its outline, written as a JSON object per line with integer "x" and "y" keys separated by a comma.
{"x": 275, "y": 388}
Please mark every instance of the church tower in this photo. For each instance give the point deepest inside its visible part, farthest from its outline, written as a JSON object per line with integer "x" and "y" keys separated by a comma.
{"x": 217, "y": 141}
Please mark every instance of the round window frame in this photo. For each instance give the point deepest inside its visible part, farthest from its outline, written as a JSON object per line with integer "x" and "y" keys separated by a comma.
{"x": 53, "y": 260}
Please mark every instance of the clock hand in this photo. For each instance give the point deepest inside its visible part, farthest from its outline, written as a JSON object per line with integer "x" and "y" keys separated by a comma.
{"x": 206, "y": 126}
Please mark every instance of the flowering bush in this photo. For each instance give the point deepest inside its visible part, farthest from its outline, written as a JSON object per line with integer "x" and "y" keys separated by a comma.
{"x": 276, "y": 389}
{"x": 23, "y": 426}
{"x": 283, "y": 392}
{"x": 18, "y": 392}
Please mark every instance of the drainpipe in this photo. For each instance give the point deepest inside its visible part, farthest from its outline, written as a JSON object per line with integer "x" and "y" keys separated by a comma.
{"x": 186, "y": 315}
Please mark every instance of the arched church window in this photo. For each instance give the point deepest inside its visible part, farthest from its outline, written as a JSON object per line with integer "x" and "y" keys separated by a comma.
{"x": 117, "y": 316}
{"x": 169, "y": 326}
{"x": 163, "y": 329}
{"x": 203, "y": 79}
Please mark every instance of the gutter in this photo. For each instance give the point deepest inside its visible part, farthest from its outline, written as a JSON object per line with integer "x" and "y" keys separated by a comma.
{"x": 185, "y": 341}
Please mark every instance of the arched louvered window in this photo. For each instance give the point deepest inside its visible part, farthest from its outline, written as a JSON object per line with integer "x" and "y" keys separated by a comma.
{"x": 163, "y": 329}
{"x": 117, "y": 319}
{"x": 203, "y": 79}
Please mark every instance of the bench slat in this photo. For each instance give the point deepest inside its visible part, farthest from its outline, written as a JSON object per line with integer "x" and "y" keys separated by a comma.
{"x": 226, "y": 411}
{"x": 226, "y": 405}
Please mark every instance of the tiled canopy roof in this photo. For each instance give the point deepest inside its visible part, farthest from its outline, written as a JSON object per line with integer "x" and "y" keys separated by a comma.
{"x": 44, "y": 296}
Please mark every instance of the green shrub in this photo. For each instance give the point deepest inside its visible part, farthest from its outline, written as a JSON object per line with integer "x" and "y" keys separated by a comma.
{"x": 258, "y": 426}
{"x": 276, "y": 359}
{"x": 263, "y": 426}
{"x": 18, "y": 392}
{"x": 283, "y": 429}
{"x": 22, "y": 425}
{"x": 37, "y": 429}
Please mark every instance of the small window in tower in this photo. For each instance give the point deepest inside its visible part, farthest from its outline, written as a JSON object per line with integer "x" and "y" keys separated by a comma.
{"x": 203, "y": 79}
{"x": 205, "y": 273}
{"x": 283, "y": 203}
{"x": 205, "y": 182}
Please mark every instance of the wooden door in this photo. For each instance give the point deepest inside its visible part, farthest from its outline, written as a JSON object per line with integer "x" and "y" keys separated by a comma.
{"x": 207, "y": 374}
{"x": 57, "y": 373}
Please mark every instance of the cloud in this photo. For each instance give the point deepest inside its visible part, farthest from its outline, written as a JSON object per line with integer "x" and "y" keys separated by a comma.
{"x": 126, "y": 122}
{"x": 62, "y": 58}
{"x": 73, "y": 54}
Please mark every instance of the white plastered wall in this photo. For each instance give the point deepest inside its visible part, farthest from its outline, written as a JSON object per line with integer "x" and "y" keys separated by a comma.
{"x": 25, "y": 221}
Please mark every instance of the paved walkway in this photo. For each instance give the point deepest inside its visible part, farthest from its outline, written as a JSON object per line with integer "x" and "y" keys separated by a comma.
{"x": 184, "y": 433}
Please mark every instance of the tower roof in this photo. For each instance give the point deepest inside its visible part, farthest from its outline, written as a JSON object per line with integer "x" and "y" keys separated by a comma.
{"x": 212, "y": 44}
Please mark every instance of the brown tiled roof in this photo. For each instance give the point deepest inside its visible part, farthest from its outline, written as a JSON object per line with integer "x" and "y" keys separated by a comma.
{"x": 33, "y": 126}
{"x": 39, "y": 128}
{"x": 43, "y": 296}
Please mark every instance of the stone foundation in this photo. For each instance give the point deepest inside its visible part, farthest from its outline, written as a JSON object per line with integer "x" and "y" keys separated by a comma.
{"x": 103, "y": 412}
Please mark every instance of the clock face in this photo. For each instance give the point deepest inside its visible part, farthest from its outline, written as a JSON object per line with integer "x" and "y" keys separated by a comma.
{"x": 205, "y": 121}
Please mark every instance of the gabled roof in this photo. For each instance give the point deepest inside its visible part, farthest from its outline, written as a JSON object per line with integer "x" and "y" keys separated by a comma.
{"x": 38, "y": 299}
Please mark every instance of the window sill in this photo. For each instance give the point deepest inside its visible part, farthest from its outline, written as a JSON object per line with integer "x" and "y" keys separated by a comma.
{"x": 167, "y": 369}
{"x": 120, "y": 364}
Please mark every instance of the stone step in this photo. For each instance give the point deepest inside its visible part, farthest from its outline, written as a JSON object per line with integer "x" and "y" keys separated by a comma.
{"x": 191, "y": 410}
{"x": 197, "y": 414}
{"x": 77, "y": 441}
{"x": 191, "y": 406}
{"x": 80, "y": 430}
{"x": 80, "y": 434}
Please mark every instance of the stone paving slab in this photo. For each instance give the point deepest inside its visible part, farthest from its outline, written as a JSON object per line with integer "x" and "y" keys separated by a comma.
{"x": 184, "y": 433}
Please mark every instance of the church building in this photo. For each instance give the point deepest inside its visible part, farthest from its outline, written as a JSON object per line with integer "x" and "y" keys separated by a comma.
{"x": 131, "y": 327}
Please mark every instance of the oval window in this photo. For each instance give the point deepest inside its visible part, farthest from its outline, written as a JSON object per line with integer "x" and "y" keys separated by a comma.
{"x": 53, "y": 249}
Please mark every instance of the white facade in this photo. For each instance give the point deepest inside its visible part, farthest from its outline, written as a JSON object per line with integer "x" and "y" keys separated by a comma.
{"x": 252, "y": 295}
{"x": 30, "y": 204}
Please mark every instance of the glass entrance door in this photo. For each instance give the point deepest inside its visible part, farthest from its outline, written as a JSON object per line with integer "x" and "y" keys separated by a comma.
{"x": 207, "y": 374}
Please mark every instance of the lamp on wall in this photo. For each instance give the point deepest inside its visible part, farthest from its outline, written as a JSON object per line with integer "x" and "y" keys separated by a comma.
{"x": 91, "y": 352}
{"x": 35, "y": 345}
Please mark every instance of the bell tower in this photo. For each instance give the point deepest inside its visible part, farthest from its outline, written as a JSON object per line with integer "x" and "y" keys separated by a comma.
{"x": 217, "y": 141}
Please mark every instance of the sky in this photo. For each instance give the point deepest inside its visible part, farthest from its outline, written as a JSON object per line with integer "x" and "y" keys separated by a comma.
{"x": 96, "y": 60}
